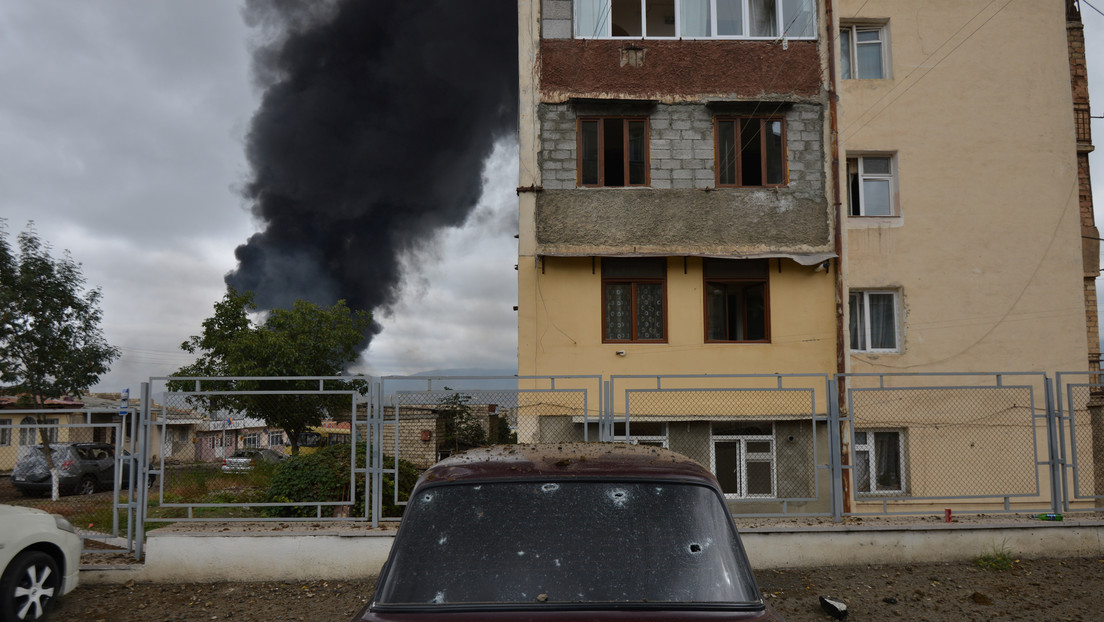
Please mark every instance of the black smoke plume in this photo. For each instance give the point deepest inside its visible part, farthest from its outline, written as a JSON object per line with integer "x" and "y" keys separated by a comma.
{"x": 371, "y": 135}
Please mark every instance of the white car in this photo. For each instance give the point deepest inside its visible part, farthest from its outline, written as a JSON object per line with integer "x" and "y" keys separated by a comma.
{"x": 40, "y": 558}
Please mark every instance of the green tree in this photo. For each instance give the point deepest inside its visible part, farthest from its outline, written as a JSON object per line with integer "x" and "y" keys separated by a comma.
{"x": 306, "y": 340}
{"x": 463, "y": 427}
{"x": 51, "y": 344}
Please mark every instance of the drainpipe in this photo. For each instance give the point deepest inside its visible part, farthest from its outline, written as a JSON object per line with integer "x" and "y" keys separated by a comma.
{"x": 841, "y": 351}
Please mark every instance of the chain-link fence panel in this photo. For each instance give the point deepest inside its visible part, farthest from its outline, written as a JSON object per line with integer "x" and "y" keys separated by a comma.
{"x": 1083, "y": 428}
{"x": 258, "y": 454}
{"x": 426, "y": 419}
{"x": 948, "y": 442}
{"x": 92, "y": 466}
{"x": 764, "y": 437}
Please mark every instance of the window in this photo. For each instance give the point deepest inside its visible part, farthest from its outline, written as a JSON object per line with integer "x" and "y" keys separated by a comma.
{"x": 743, "y": 459}
{"x": 873, "y": 321}
{"x": 863, "y": 52}
{"x": 29, "y": 431}
{"x": 870, "y": 183}
{"x": 634, "y": 299}
{"x": 251, "y": 440}
{"x": 879, "y": 456}
{"x": 795, "y": 19}
{"x": 5, "y": 433}
{"x": 613, "y": 151}
{"x": 751, "y": 152}
{"x": 736, "y": 306}
{"x": 275, "y": 438}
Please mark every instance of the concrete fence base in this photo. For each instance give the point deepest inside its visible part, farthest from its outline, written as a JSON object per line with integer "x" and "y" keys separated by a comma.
{"x": 195, "y": 557}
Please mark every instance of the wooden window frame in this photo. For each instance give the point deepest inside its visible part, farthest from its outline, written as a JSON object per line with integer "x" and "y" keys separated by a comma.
{"x": 727, "y": 280}
{"x": 601, "y": 120}
{"x": 739, "y": 121}
{"x": 634, "y": 281}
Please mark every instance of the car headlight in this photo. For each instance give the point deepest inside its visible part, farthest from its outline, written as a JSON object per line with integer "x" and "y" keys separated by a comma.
{"x": 63, "y": 524}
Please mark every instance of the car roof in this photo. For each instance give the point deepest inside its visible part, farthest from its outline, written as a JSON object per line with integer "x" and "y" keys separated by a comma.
{"x": 567, "y": 461}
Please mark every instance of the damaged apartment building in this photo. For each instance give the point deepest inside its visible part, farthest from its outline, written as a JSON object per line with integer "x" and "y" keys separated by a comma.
{"x": 731, "y": 187}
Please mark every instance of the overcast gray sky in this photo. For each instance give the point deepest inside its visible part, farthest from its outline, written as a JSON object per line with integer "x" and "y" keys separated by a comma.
{"x": 122, "y": 129}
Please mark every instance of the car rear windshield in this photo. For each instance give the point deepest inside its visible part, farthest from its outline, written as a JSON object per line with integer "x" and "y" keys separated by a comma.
{"x": 567, "y": 542}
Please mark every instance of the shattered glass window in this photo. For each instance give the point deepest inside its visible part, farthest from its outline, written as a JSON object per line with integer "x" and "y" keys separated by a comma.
{"x": 567, "y": 543}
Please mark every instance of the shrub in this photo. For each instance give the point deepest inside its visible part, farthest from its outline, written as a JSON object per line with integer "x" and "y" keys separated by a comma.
{"x": 324, "y": 476}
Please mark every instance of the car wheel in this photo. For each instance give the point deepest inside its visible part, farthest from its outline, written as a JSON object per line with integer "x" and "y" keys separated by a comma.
{"x": 28, "y": 587}
{"x": 87, "y": 485}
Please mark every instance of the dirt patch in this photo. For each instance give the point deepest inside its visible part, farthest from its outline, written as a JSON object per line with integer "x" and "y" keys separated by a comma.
{"x": 1049, "y": 589}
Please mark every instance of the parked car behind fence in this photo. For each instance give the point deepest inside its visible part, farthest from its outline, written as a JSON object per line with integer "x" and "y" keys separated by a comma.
{"x": 243, "y": 460}
{"x": 83, "y": 468}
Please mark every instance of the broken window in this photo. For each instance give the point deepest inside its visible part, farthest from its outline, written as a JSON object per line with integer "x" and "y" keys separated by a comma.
{"x": 736, "y": 306}
{"x": 634, "y": 299}
{"x": 879, "y": 456}
{"x": 873, "y": 321}
{"x": 863, "y": 52}
{"x": 613, "y": 151}
{"x": 794, "y": 19}
{"x": 870, "y": 185}
{"x": 750, "y": 151}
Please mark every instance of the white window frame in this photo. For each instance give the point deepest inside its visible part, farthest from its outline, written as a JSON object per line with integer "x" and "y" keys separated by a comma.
{"x": 251, "y": 440}
{"x": 872, "y": 460}
{"x": 582, "y": 8}
{"x": 5, "y": 433}
{"x": 275, "y": 438}
{"x": 863, "y": 175}
{"x": 743, "y": 458}
{"x": 866, "y": 324}
{"x": 850, "y": 68}
{"x": 28, "y": 431}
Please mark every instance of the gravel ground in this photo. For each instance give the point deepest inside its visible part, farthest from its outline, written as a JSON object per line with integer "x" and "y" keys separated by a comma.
{"x": 1065, "y": 589}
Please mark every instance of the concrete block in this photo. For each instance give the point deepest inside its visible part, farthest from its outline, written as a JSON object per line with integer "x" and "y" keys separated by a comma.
{"x": 556, "y": 29}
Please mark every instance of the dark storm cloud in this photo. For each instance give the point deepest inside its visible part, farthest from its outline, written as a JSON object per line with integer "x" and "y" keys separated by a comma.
{"x": 371, "y": 135}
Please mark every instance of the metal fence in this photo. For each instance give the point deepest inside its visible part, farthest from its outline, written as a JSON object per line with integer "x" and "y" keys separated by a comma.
{"x": 919, "y": 441}
{"x": 91, "y": 451}
{"x": 1080, "y": 408}
{"x": 780, "y": 444}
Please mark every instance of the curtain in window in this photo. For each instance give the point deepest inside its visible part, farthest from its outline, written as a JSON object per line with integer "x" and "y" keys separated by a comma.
{"x": 762, "y": 18}
{"x": 858, "y": 322}
{"x": 619, "y": 311}
{"x": 694, "y": 18}
{"x": 799, "y": 18}
{"x": 592, "y": 18}
{"x": 845, "y": 54}
{"x": 649, "y": 311}
{"x": 862, "y": 471}
{"x": 883, "y": 325}
{"x": 888, "y": 455}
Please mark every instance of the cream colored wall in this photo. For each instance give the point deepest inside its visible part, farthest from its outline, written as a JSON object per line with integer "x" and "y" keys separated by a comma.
{"x": 561, "y": 324}
{"x": 987, "y": 247}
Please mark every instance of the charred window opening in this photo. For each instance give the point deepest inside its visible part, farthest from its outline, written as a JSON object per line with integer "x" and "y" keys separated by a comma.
{"x": 750, "y": 151}
{"x": 736, "y": 300}
{"x": 613, "y": 151}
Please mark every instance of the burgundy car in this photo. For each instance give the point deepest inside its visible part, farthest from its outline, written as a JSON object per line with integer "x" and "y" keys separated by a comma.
{"x": 587, "y": 531}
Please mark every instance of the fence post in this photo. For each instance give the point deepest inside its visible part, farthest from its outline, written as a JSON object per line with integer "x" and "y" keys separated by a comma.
{"x": 141, "y": 434}
{"x": 835, "y": 454}
{"x": 1057, "y": 490}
